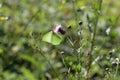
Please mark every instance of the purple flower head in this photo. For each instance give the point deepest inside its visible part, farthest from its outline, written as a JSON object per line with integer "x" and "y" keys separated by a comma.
{"x": 59, "y": 28}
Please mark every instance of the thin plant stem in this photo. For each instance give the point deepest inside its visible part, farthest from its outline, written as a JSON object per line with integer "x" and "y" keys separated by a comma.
{"x": 93, "y": 38}
{"x": 76, "y": 20}
{"x": 74, "y": 11}
{"x": 31, "y": 19}
{"x": 54, "y": 70}
{"x": 115, "y": 76}
{"x": 63, "y": 61}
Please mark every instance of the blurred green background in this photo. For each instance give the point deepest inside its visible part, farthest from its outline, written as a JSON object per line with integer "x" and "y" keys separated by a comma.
{"x": 24, "y": 56}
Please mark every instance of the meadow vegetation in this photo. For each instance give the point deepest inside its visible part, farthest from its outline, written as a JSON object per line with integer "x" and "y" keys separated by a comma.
{"x": 86, "y": 46}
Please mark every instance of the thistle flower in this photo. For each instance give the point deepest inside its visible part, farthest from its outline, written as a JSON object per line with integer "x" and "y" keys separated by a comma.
{"x": 59, "y": 28}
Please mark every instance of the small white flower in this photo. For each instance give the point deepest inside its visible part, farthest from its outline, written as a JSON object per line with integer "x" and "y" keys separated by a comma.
{"x": 108, "y": 30}
{"x": 0, "y": 5}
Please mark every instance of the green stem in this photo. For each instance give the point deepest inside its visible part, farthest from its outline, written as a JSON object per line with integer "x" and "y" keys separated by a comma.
{"x": 93, "y": 38}
{"x": 74, "y": 11}
{"x": 54, "y": 70}
{"x": 115, "y": 76}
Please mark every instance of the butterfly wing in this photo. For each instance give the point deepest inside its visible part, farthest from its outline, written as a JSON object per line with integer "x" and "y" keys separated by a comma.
{"x": 52, "y": 38}
{"x": 47, "y": 37}
{"x": 56, "y": 40}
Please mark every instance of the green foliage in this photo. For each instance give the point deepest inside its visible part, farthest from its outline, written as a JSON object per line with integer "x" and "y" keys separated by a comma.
{"x": 88, "y": 49}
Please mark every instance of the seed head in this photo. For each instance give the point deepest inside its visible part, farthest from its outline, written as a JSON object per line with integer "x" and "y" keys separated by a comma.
{"x": 80, "y": 22}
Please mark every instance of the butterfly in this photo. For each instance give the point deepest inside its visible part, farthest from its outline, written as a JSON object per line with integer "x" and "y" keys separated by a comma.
{"x": 52, "y": 38}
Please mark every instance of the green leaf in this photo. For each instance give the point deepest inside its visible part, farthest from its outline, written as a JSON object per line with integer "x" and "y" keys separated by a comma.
{"x": 31, "y": 59}
{"x": 1, "y": 51}
{"x": 52, "y": 38}
{"x": 27, "y": 74}
{"x": 113, "y": 34}
{"x": 78, "y": 67}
